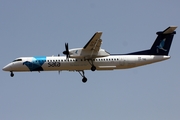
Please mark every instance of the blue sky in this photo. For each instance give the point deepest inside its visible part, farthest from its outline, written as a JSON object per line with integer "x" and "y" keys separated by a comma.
{"x": 41, "y": 27}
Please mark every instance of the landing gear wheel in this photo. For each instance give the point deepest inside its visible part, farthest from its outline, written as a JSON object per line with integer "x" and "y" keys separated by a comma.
{"x": 84, "y": 80}
{"x": 12, "y": 74}
{"x": 93, "y": 68}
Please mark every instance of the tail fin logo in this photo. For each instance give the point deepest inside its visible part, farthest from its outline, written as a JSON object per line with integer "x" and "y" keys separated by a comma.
{"x": 161, "y": 45}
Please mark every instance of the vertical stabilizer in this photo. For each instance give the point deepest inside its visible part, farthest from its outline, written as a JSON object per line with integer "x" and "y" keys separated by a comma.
{"x": 163, "y": 41}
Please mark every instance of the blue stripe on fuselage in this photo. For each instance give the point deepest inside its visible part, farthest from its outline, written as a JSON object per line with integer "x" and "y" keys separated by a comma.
{"x": 36, "y": 64}
{"x": 40, "y": 60}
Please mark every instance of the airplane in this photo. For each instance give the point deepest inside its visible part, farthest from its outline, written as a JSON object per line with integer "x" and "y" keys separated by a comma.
{"x": 92, "y": 57}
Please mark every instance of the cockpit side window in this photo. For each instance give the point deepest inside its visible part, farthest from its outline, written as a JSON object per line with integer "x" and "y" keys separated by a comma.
{"x": 17, "y": 60}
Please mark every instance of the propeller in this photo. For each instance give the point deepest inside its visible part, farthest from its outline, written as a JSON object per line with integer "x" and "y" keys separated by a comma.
{"x": 66, "y": 52}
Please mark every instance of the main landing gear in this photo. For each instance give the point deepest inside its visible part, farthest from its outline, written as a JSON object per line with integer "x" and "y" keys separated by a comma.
{"x": 84, "y": 79}
{"x": 12, "y": 74}
{"x": 93, "y": 68}
{"x": 81, "y": 72}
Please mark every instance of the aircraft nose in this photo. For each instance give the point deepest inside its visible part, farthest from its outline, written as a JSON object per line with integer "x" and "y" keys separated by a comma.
{"x": 7, "y": 67}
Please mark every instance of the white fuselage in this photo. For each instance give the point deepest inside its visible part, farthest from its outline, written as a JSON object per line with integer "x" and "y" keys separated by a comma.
{"x": 92, "y": 57}
{"x": 60, "y": 63}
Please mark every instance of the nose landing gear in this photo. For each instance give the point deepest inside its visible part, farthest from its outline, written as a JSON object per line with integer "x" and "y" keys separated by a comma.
{"x": 12, "y": 74}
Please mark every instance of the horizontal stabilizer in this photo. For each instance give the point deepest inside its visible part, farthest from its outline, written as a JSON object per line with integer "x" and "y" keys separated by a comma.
{"x": 169, "y": 30}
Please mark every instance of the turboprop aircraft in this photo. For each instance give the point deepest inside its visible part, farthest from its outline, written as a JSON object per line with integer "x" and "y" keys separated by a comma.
{"x": 92, "y": 57}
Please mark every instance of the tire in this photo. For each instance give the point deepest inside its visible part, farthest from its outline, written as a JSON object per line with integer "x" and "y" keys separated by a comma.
{"x": 84, "y": 80}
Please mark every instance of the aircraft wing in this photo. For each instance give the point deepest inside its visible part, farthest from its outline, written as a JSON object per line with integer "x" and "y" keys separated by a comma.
{"x": 91, "y": 50}
{"x": 94, "y": 43}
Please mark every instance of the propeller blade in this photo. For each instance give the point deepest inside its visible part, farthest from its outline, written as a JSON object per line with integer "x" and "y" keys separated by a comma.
{"x": 66, "y": 46}
{"x": 66, "y": 52}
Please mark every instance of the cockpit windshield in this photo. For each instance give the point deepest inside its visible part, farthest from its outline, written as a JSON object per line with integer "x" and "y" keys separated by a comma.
{"x": 17, "y": 60}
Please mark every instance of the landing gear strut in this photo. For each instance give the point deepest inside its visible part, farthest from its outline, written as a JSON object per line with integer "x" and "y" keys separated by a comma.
{"x": 93, "y": 68}
{"x": 12, "y": 74}
{"x": 84, "y": 79}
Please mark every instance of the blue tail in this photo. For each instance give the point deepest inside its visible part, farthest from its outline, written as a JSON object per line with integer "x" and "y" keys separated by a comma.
{"x": 162, "y": 43}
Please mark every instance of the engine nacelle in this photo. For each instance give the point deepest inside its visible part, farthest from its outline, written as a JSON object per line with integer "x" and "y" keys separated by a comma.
{"x": 82, "y": 53}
